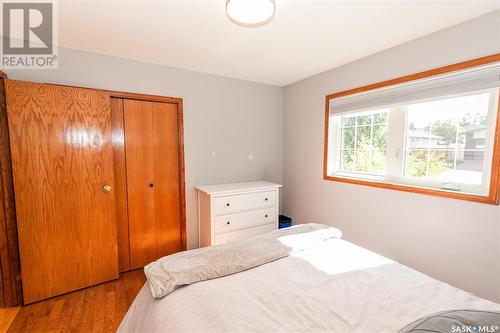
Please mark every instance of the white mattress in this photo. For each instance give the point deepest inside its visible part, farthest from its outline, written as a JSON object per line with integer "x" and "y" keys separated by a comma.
{"x": 334, "y": 287}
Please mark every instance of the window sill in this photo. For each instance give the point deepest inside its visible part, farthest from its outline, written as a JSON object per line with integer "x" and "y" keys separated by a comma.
{"x": 492, "y": 198}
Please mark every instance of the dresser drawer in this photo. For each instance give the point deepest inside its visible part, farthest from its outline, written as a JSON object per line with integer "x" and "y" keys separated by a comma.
{"x": 231, "y": 222}
{"x": 239, "y": 202}
{"x": 245, "y": 233}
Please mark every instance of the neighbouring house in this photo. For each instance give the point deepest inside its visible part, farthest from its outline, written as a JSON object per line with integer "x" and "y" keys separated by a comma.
{"x": 469, "y": 155}
{"x": 475, "y": 137}
{"x": 423, "y": 140}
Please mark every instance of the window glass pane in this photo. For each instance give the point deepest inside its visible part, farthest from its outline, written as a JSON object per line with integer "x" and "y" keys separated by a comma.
{"x": 348, "y": 121}
{"x": 379, "y": 161}
{"x": 348, "y": 135}
{"x": 445, "y": 139}
{"x": 416, "y": 163}
{"x": 364, "y": 120}
{"x": 363, "y": 137}
{"x": 364, "y": 142}
{"x": 380, "y": 118}
{"x": 440, "y": 163}
{"x": 469, "y": 166}
{"x": 380, "y": 137}
{"x": 347, "y": 160}
{"x": 363, "y": 159}
{"x": 429, "y": 163}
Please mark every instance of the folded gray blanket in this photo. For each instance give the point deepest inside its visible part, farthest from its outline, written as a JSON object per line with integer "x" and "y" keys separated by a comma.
{"x": 170, "y": 272}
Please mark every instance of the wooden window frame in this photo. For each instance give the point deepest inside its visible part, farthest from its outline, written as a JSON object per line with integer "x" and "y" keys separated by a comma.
{"x": 493, "y": 196}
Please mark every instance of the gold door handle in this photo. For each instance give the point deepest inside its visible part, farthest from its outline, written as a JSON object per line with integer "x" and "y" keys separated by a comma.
{"x": 106, "y": 188}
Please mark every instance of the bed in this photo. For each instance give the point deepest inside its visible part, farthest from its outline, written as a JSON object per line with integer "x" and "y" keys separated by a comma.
{"x": 334, "y": 286}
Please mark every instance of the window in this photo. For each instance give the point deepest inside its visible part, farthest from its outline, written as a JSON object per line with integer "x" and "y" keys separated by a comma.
{"x": 363, "y": 147}
{"x": 434, "y": 136}
{"x": 445, "y": 139}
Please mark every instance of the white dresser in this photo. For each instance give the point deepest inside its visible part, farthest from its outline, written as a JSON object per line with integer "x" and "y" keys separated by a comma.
{"x": 228, "y": 212}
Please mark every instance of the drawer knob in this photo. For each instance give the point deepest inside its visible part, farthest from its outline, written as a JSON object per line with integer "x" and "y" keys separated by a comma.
{"x": 266, "y": 215}
{"x": 228, "y": 222}
{"x": 227, "y": 204}
{"x": 266, "y": 199}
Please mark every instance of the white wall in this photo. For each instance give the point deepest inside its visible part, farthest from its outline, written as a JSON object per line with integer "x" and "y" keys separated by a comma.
{"x": 234, "y": 118}
{"x": 452, "y": 240}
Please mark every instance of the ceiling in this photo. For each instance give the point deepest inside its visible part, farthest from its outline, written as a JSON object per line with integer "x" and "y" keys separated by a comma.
{"x": 305, "y": 37}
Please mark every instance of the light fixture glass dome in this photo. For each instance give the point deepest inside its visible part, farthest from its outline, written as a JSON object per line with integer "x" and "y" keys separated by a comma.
{"x": 250, "y": 12}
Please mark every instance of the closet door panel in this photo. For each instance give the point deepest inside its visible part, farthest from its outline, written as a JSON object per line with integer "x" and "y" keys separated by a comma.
{"x": 120, "y": 191}
{"x": 166, "y": 161}
{"x": 139, "y": 138}
{"x": 62, "y": 158}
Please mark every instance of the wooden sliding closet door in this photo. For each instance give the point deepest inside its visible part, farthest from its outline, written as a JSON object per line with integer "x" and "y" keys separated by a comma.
{"x": 62, "y": 161}
{"x": 153, "y": 185}
{"x": 120, "y": 171}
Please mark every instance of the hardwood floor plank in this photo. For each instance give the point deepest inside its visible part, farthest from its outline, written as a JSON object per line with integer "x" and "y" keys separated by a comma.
{"x": 76, "y": 316}
{"x": 109, "y": 311}
{"x": 98, "y": 318}
{"x": 7, "y": 315}
{"x": 96, "y": 309}
{"x": 120, "y": 304}
{"x": 88, "y": 312}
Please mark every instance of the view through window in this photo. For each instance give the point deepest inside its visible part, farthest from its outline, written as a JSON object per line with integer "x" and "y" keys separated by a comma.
{"x": 444, "y": 142}
{"x": 364, "y": 142}
{"x": 445, "y": 139}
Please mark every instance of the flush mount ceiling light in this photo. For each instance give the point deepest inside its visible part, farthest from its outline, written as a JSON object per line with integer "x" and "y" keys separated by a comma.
{"x": 250, "y": 13}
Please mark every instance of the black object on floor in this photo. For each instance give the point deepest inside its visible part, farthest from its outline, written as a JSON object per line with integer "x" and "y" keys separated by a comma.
{"x": 285, "y": 221}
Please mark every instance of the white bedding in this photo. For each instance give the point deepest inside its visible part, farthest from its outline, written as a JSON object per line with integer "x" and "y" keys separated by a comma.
{"x": 168, "y": 273}
{"x": 333, "y": 287}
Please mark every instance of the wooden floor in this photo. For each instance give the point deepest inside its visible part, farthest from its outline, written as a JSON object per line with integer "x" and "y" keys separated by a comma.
{"x": 7, "y": 315}
{"x": 95, "y": 309}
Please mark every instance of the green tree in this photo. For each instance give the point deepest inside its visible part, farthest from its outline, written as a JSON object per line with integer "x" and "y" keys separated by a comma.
{"x": 446, "y": 129}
